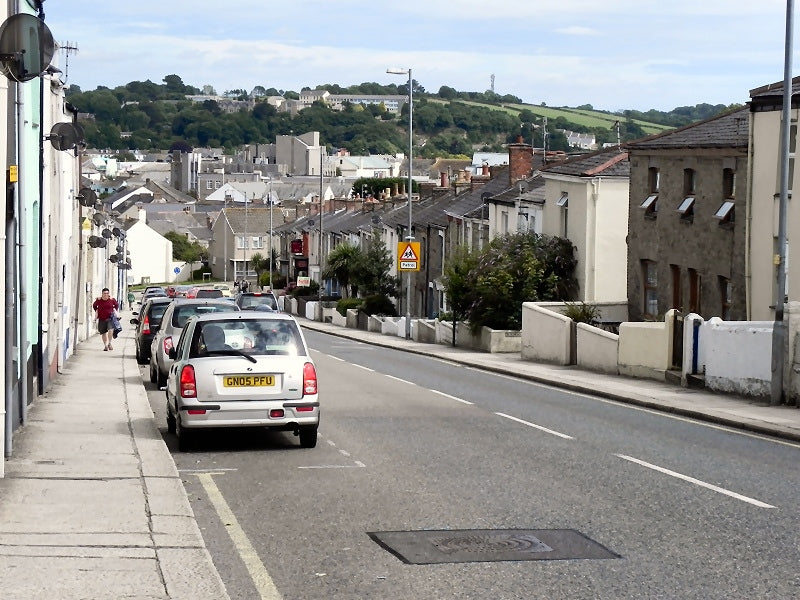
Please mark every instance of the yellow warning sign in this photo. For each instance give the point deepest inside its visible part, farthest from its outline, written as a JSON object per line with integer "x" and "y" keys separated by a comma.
{"x": 408, "y": 256}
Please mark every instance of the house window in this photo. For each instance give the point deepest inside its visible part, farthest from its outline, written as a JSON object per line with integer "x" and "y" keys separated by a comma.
{"x": 650, "y": 277}
{"x": 694, "y": 291}
{"x": 726, "y": 297}
{"x": 726, "y": 212}
{"x": 688, "y": 181}
{"x": 504, "y": 222}
{"x": 686, "y": 209}
{"x": 522, "y": 222}
{"x": 241, "y": 241}
{"x": 650, "y": 206}
{"x": 728, "y": 183}
{"x": 677, "y": 301}
{"x": 209, "y": 185}
{"x": 653, "y": 180}
{"x": 258, "y": 242}
{"x": 563, "y": 201}
{"x": 217, "y": 185}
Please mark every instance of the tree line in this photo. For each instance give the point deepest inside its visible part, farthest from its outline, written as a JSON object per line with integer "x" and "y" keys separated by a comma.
{"x": 147, "y": 116}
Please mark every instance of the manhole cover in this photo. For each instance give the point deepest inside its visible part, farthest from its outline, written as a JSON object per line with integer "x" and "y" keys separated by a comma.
{"x": 488, "y": 545}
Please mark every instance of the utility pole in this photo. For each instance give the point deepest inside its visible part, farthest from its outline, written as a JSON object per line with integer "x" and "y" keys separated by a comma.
{"x": 779, "y": 327}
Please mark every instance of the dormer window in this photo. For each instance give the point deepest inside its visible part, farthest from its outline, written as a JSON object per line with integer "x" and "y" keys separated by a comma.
{"x": 563, "y": 201}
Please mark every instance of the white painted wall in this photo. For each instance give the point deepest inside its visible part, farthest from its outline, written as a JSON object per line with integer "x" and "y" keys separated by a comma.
{"x": 738, "y": 356}
{"x": 151, "y": 254}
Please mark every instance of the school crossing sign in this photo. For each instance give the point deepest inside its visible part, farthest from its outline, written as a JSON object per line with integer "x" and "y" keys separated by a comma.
{"x": 408, "y": 256}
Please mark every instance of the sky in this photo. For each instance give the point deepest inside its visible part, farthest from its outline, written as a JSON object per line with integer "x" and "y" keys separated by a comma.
{"x": 612, "y": 54}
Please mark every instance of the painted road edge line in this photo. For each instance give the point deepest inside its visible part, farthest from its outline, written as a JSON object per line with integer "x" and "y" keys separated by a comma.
{"x": 709, "y": 486}
{"x": 539, "y": 427}
{"x": 258, "y": 572}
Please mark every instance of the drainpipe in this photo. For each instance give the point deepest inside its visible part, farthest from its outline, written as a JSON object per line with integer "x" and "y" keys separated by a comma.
{"x": 748, "y": 224}
{"x": 591, "y": 228}
{"x": 21, "y": 256}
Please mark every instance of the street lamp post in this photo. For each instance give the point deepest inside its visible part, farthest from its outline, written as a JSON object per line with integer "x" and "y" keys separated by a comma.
{"x": 225, "y": 214}
{"x": 270, "y": 233}
{"x": 409, "y": 236}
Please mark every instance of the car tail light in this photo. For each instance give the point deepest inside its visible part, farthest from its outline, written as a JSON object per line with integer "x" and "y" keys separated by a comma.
{"x": 304, "y": 409}
{"x": 309, "y": 379}
{"x": 276, "y": 413}
{"x": 196, "y": 411}
{"x": 167, "y": 344}
{"x": 188, "y": 385}
{"x": 146, "y": 326}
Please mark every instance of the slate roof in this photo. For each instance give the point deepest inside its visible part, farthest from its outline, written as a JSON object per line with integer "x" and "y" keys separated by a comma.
{"x": 256, "y": 220}
{"x": 609, "y": 162}
{"x": 775, "y": 89}
{"x": 534, "y": 193}
{"x": 728, "y": 130}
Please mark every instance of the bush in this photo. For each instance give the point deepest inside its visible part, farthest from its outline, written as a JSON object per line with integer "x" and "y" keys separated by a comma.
{"x": 305, "y": 292}
{"x": 580, "y": 312}
{"x": 346, "y": 303}
{"x": 278, "y": 280}
{"x": 378, "y": 305}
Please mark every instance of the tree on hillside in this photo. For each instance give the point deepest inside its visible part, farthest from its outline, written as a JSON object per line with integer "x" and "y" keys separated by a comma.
{"x": 183, "y": 249}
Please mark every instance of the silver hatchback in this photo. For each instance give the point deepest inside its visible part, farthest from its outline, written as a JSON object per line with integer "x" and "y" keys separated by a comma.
{"x": 242, "y": 369}
{"x": 175, "y": 317}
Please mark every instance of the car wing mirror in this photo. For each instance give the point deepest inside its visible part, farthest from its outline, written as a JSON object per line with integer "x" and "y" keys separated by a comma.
{"x": 134, "y": 321}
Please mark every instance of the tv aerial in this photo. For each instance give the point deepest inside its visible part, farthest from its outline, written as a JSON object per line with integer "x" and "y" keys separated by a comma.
{"x": 26, "y": 47}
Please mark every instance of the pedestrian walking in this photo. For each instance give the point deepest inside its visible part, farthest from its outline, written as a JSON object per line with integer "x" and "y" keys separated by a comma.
{"x": 104, "y": 308}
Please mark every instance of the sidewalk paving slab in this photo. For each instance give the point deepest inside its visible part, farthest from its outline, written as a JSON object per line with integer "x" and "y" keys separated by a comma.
{"x": 92, "y": 505}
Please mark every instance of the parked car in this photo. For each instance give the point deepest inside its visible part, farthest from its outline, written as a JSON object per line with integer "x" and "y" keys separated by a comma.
{"x": 180, "y": 290}
{"x": 242, "y": 369}
{"x": 153, "y": 292}
{"x": 225, "y": 289}
{"x": 175, "y": 317}
{"x": 147, "y": 322}
{"x": 208, "y": 293}
{"x": 251, "y": 300}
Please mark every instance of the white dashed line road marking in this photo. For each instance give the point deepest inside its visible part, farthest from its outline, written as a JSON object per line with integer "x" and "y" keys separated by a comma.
{"x": 539, "y": 427}
{"x": 401, "y": 380}
{"x": 451, "y": 397}
{"x": 709, "y": 486}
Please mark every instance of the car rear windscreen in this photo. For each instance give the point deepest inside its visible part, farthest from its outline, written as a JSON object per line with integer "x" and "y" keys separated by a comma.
{"x": 257, "y": 337}
{"x": 253, "y": 301}
{"x": 184, "y": 313}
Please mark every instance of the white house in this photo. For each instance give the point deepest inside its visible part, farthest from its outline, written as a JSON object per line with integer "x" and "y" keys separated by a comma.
{"x": 151, "y": 253}
{"x": 586, "y": 201}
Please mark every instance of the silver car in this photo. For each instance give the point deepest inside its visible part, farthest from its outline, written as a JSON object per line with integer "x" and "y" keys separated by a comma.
{"x": 242, "y": 369}
{"x": 175, "y": 317}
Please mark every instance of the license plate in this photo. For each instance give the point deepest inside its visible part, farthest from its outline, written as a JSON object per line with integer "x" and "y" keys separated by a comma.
{"x": 248, "y": 380}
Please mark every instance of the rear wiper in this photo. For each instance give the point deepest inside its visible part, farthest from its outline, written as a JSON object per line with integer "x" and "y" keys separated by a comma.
{"x": 232, "y": 352}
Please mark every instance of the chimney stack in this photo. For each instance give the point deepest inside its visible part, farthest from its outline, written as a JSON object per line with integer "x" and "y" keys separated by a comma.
{"x": 520, "y": 161}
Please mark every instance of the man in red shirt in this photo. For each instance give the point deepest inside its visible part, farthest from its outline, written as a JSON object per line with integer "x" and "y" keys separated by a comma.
{"x": 104, "y": 307}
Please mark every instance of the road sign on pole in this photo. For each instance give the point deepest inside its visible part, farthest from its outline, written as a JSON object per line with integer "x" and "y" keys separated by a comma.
{"x": 408, "y": 256}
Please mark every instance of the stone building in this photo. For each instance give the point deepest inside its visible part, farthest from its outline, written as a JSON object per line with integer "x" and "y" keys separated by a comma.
{"x": 686, "y": 225}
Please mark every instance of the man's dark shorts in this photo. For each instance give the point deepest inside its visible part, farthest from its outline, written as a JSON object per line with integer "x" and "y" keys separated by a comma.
{"x": 104, "y": 326}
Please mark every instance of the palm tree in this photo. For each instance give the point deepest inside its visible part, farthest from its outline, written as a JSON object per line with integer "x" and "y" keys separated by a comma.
{"x": 341, "y": 264}
{"x": 259, "y": 264}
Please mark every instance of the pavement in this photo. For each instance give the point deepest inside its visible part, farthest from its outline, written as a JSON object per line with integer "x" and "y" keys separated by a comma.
{"x": 92, "y": 505}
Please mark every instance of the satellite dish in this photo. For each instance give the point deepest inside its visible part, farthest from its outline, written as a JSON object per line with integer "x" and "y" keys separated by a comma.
{"x": 86, "y": 197}
{"x": 95, "y": 241}
{"x": 64, "y": 136}
{"x": 311, "y": 222}
{"x": 106, "y": 233}
{"x": 120, "y": 248}
{"x": 376, "y": 219}
{"x": 116, "y": 231}
{"x": 113, "y": 258}
{"x": 26, "y": 47}
{"x": 98, "y": 218}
